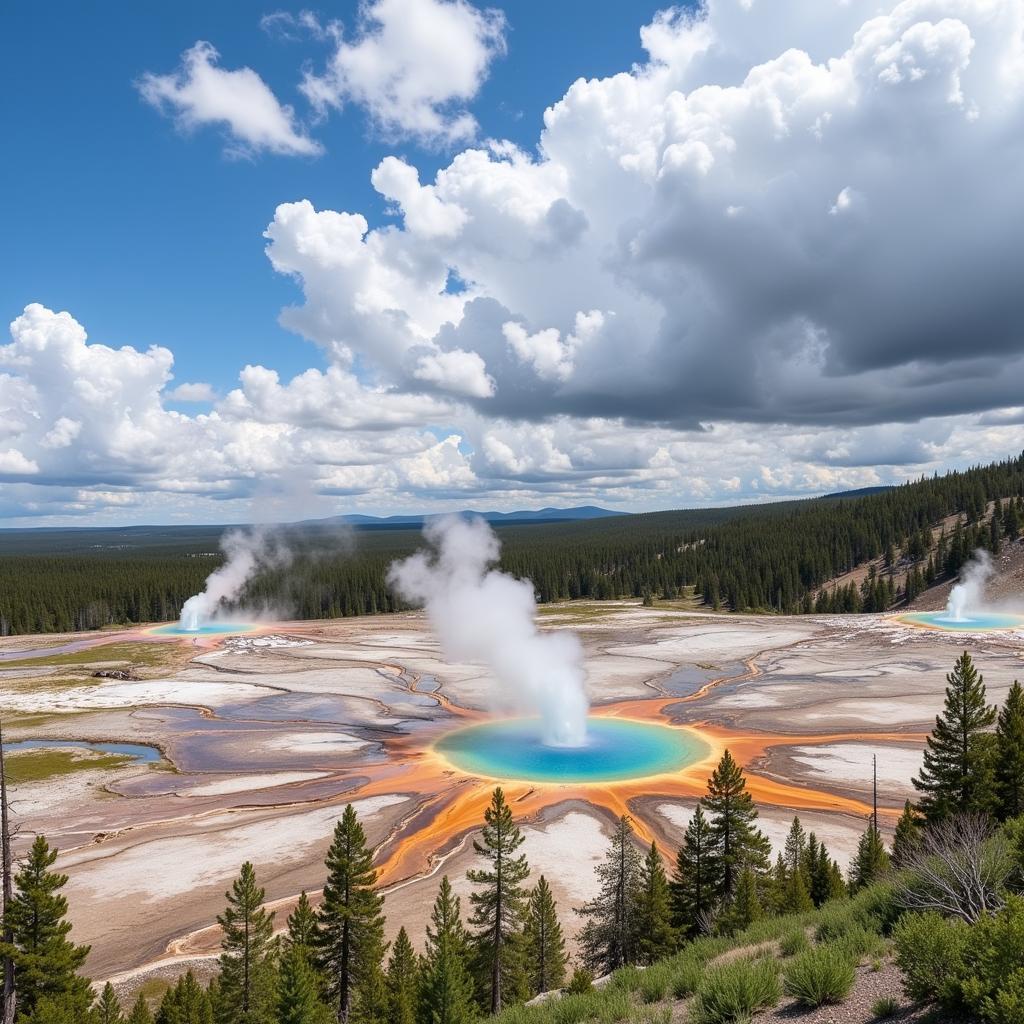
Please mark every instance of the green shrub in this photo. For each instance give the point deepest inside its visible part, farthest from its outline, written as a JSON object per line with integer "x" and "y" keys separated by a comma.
{"x": 860, "y": 942}
{"x": 649, "y": 1015}
{"x": 884, "y": 1007}
{"x": 821, "y": 975}
{"x": 706, "y": 948}
{"x": 929, "y": 951}
{"x": 612, "y": 1006}
{"x": 794, "y": 942}
{"x": 734, "y": 991}
{"x": 993, "y": 965}
{"x": 581, "y": 981}
{"x": 686, "y": 978}
{"x": 626, "y": 979}
{"x": 655, "y": 982}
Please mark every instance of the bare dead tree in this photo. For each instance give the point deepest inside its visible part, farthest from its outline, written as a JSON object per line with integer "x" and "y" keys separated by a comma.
{"x": 960, "y": 869}
{"x": 8, "y": 1002}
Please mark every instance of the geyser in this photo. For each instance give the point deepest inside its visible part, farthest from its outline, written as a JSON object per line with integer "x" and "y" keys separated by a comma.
{"x": 965, "y": 609}
{"x": 615, "y": 750}
{"x": 246, "y": 552}
{"x": 485, "y": 616}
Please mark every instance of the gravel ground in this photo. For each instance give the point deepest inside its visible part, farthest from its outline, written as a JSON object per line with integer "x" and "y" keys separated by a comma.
{"x": 856, "y": 1008}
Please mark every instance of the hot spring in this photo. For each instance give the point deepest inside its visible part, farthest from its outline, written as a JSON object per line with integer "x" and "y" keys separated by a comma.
{"x": 206, "y": 629}
{"x": 971, "y": 622}
{"x": 615, "y": 750}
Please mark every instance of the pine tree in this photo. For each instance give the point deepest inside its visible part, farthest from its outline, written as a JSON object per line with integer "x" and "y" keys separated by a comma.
{"x": 871, "y": 860}
{"x": 499, "y": 904}
{"x": 957, "y": 775}
{"x": 402, "y": 981}
{"x": 246, "y": 960}
{"x": 745, "y": 906}
{"x": 370, "y": 999}
{"x": 1010, "y": 754}
{"x": 298, "y": 996}
{"x": 46, "y": 962}
{"x": 140, "y": 1012}
{"x": 608, "y": 939}
{"x": 695, "y": 882}
{"x": 543, "y": 944}
{"x": 656, "y": 937}
{"x": 735, "y": 839}
{"x": 302, "y": 923}
{"x": 108, "y": 1009}
{"x": 795, "y": 895}
{"x": 350, "y": 924}
{"x": 907, "y": 837}
{"x": 446, "y": 985}
{"x": 185, "y": 1003}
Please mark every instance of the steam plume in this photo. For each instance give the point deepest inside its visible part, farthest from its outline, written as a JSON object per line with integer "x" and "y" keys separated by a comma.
{"x": 247, "y": 552}
{"x": 969, "y": 593}
{"x": 483, "y": 615}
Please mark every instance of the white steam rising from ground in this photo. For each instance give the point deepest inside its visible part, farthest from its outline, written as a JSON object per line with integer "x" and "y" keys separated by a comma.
{"x": 247, "y": 552}
{"x": 968, "y": 596}
{"x": 482, "y": 615}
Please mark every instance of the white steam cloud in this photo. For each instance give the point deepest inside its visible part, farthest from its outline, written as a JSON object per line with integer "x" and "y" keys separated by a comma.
{"x": 969, "y": 594}
{"x": 482, "y": 615}
{"x": 247, "y": 551}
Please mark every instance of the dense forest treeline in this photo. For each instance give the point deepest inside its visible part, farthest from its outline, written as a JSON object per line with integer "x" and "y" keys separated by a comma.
{"x": 779, "y": 557}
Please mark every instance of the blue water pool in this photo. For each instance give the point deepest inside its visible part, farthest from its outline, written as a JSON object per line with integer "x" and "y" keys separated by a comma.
{"x": 139, "y": 752}
{"x": 975, "y": 623}
{"x": 616, "y": 750}
{"x": 209, "y": 629}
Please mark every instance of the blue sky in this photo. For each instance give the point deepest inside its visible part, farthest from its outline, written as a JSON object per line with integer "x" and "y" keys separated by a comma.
{"x": 427, "y": 254}
{"x": 153, "y": 236}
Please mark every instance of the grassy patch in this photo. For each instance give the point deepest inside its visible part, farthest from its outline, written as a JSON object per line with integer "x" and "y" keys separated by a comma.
{"x": 735, "y": 991}
{"x": 821, "y": 975}
{"x": 38, "y": 765}
{"x": 150, "y": 655}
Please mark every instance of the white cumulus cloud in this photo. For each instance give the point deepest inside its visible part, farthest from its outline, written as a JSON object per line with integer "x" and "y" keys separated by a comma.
{"x": 413, "y": 65}
{"x": 201, "y": 92}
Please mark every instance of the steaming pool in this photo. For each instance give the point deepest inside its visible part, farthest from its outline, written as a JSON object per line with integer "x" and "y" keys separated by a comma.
{"x": 616, "y": 750}
{"x": 209, "y": 629}
{"x": 977, "y": 622}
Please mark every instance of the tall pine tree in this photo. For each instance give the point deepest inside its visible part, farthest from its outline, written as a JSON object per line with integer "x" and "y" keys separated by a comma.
{"x": 499, "y": 902}
{"x": 46, "y": 961}
{"x": 907, "y": 837}
{"x": 871, "y": 860}
{"x": 735, "y": 838}
{"x": 246, "y": 960}
{"x": 1010, "y": 754}
{"x": 543, "y": 944}
{"x": 656, "y": 938}
{"x": 350, "y": 924}
{"x": 609, "y": 937}
{"x": 446, "y": 984}
{"x": 695, "y": 883}
{"x": 298, "y": 989}
{"x": 302, "y": 923}
{"x": 402, "y": 981}
{"x": 957, "y": 774}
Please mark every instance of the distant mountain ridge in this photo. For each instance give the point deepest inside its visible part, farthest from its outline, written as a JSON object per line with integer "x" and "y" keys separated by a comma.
{"x": 542, "y": 515}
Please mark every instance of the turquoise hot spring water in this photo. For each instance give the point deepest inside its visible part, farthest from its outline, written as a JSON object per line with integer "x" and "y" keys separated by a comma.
{"x": 616, "y": 749}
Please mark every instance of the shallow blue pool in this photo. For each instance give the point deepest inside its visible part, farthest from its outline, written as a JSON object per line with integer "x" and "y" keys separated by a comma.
{"x": 616, "y": 749}
{"x": 209, "y": 629}
{"x": 976, "y": 623}
{"x": 138, "y": 751}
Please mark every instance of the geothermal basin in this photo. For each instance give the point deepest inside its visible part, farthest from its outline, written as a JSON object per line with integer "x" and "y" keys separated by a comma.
{"x": 974, "y": 622}
{"x": 615, "y": 750}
